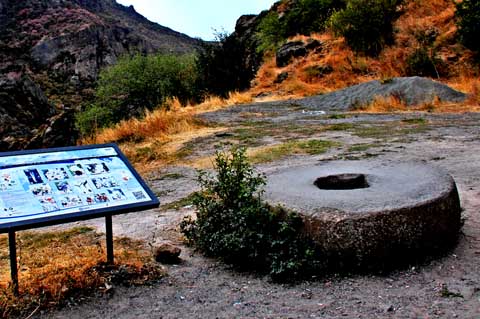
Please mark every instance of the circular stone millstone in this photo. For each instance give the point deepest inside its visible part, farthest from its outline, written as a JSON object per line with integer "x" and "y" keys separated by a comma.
{"x": 376, "y": 214}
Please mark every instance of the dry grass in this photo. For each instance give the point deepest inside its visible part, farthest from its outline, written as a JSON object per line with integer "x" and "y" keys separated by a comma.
{"x": 158, "y": 124}
{"x": 56, "y": 265}
{"x": 383, "y": 105}
{"x": 348, "y": 69}
{"x": 161, "y": 123}
{"x": 157, "y": 139}
{"x": 393, "y": 104}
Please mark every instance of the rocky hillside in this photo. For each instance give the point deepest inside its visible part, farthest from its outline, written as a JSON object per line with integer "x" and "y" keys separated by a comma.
{"x": 51, "y": 52}
{"x": 304, "y": 59}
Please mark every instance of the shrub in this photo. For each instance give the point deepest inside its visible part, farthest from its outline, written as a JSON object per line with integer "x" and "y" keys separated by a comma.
{"x": 424, "y": 60}
{"x": 234, "y": 224}
{"x": 223, "y": 66}
{"x": 422, "y": 63}
{"x": 302, "y": 17}
{"x": 367, "y": 25}
{"x": 137, "y": 83}
{"x": 271, "y": 32}
{"x": 92, "y": 118}
{"x": 309, "y": 16}
{"x": 468, "y": 22}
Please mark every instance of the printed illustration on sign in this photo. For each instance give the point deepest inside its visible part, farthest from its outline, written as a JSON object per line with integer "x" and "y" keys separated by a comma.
{"x": 77, "y": 170}
{"x": 97, "y": 168}
{"x": 7, "y": 182}
{"x": 48, "y": 204}
{"x": 83, "y": 187}
{"x": 41, "y": 189}
{"x": 33, "y": 176}
{"x": 55, "y": 174}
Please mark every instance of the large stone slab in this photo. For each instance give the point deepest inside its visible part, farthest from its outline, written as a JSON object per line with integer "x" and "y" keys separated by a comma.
{"x": 389, "y": 213}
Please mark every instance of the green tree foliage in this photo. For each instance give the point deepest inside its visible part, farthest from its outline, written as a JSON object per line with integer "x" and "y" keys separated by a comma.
{"x": 424, "y": 60}
{"x": 271, "y": 32}
{"x": 367, "y": 25}
{"x": 309, "y": 16}
{"x": 468, "y": 22}
{"x": 302, "y": 17}
{"x": 137, "y": 83}
{"x": 422, "y": 63}
{"x": 223, "y": 66}
{"x": 233, "y": 223}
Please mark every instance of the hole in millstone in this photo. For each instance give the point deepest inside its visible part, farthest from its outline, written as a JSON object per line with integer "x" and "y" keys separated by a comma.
{"x": 342, "y": 181}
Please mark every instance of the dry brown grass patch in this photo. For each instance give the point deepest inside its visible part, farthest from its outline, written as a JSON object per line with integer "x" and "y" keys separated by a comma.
{"x": 156, "y": 124}
{"x": 56, "y": 265}
{"x": 382, "y": 105}
{"x": 392, "y": 104}
{"x": 155, "y": 154}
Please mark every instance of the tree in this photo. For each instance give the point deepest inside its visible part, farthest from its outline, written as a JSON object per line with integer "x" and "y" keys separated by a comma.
{"x": 136, "y": 84}
{"x": 223, "y": 67}
{"x": 367, "y": 25}
{"x": 468, "y": 22}
{"x": 302, "y": 17}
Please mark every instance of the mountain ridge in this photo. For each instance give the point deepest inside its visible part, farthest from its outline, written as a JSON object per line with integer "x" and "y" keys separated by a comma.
{"x": 55, "y": 49}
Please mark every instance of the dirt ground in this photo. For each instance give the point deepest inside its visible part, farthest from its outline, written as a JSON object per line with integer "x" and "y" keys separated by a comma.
{"x": 448, "y": 287}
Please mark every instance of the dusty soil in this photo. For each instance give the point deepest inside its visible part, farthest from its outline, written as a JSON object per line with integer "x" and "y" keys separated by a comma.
{"x": 448, "y": 287}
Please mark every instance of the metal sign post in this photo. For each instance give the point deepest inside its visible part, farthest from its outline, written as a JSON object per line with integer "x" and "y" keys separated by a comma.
{"x": 13, "y": 261}
{"x": 109, "y": 237}
{"x": 53, "y": 186}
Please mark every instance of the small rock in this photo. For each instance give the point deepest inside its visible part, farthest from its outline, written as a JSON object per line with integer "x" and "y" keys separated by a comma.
{"x": 313, "y": 44}
{"x": 281, "y": 77}
{"x": 223, "y": 134}
{"x": 167, "y": 253}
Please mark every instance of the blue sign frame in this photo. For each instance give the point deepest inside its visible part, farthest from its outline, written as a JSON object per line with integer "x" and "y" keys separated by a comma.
{"x": 68, "y": 184}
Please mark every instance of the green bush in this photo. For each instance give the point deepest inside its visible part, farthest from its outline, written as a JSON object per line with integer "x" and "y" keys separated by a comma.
{"x": 271, "y": 32}
{"x": 92, "y": 118}
{"x": 468, "y": 22}
{"x": 223, "y": 66}
{"x": 234, "y": 224}
{"x": 367, "y": 25}
{"x": 424, "y": 60}
{"x": 137, "y": 83}
{"x": 422, "y": 63}
{"x": 302, "y": 17}
{"x": 309, "y": 16}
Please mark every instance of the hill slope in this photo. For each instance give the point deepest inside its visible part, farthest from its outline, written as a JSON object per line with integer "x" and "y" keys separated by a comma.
{"x": 426, "y": 44}
{"x": 58, "y": 47}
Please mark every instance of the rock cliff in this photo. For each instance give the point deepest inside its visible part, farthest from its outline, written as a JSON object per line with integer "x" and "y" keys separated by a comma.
{"x": 54, "y": 49}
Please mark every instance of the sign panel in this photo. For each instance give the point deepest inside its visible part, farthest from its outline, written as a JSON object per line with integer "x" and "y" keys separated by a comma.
{"x": 52, "y": 186}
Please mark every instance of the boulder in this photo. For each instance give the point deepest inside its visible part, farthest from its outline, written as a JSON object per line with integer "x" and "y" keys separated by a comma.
{"x": 167, "y": 253}
{"x": 314, "y": 45}
{"x": 410, "y": 90}
{"x": 288, "y": 51}
{"x": 281, "y": 77}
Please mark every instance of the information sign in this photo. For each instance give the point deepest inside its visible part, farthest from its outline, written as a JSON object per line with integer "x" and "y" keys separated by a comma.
{"x": 51, "y": 186}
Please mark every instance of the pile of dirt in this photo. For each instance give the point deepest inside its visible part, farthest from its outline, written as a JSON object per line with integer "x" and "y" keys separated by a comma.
{"x": 410, "y": 90}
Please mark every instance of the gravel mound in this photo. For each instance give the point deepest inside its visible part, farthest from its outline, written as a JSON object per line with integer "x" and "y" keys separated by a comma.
{"x": 412, "y": 90}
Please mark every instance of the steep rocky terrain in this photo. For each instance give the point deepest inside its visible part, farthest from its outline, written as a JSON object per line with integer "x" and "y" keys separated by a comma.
{"x": 55, "y": 48}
